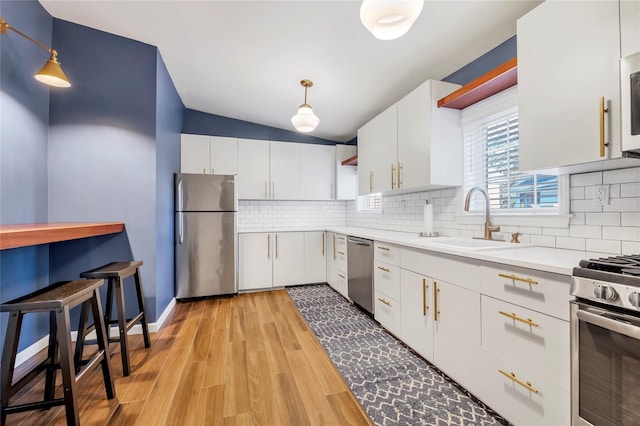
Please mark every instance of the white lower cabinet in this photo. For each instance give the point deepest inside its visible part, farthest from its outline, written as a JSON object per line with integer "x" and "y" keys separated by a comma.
{"x": 336, "y": 249}
{"x": 342, "y": 284}
{"x": 315, "y": 259}
{"x": 417, "y": 312}
{"x": 279, "y": 259}
{"x": 387, "y": 312}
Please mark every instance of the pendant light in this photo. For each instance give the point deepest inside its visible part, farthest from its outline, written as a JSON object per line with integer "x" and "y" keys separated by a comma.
{"x": 51, "y": 73}
{"x": 389, "y": 19}
{"x": 305, "y": 120}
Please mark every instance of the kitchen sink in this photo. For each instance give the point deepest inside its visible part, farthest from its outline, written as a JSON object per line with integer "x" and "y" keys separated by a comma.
{"x": 472, "y": 243}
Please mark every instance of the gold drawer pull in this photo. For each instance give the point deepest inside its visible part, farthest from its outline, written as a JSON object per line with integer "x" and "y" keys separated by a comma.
{"x": 342, "y": 276}
{"x": 603, "y": 110}
{"x": 383, "y": 269}
{"x": 383, "y": 248}
{"x": 513, "y": 377}
{"x": 341, "y": 253}
{"x": 386, "y": 302}
{"x": 517, "y": 318}
{"x": 524, "y": 280}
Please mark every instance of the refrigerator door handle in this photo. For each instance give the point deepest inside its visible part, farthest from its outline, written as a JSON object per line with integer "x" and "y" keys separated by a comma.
{"x": 180, "y": 228}
{"x": 179, "y": 195}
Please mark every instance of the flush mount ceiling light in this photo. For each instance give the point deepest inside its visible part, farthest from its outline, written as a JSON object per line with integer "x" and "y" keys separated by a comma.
{"x": 51, "y": 73}
{"x": 305, "y": 120}
{"x": 389, "y": 19}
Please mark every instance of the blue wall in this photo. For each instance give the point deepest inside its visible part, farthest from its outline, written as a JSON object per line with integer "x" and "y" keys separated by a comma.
{"x": 485, "y": 63}
{"x": 169, "y": 109}
{"x": 201, "y": 123}
{"x": 24, "y": 122}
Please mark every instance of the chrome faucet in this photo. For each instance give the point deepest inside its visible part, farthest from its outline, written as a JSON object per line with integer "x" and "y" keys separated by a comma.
{"x": 488, "y": 228}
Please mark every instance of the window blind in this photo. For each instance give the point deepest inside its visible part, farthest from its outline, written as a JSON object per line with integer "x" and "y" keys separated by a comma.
{"x": 491, "y": 153}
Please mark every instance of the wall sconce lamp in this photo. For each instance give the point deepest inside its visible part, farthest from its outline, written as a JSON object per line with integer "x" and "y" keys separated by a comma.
{"x": 51, "y": 73}
{"x": 305, "y": 120}
{"x": 389, "y": 19}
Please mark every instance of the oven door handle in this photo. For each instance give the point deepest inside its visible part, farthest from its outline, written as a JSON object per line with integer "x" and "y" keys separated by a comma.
{"x": 618, "y": 326}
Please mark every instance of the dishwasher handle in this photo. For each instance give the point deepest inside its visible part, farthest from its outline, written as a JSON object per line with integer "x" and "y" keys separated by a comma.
{"x": 366, "y": 243}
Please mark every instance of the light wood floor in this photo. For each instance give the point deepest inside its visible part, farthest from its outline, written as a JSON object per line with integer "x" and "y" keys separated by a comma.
{"x": 245, "y": 360}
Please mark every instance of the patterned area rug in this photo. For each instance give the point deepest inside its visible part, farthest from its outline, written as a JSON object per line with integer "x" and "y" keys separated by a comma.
{"x": 393, "y": 384}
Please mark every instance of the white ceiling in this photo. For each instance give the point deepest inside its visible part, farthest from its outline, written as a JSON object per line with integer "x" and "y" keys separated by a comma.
{"x": 245, "y": 59}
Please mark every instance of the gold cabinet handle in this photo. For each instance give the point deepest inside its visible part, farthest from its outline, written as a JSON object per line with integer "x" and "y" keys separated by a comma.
{"x": 425, "y": 287}
{"x": 341, "y": 253}
{"x": 603, "y": 110}
{"x": 268, "y": 246}
{"x": 323, "y": 237}
{"x": 400, "y": 173}
{"x": 517, "y": 318}
{"x": 342, "y": 276}
{"x": 370, "y": 181}
{"x": 436, "y": 290}
{"x": 276, "y": 246}
{"x": 334, "y": 246}
{"x": 524, "y": 280}
{"x": 513, "y": 377}
{"x": 393, "y": 176}
{"x": 383, "y": 269}
{"x": 386, "y": 302}
{"x": 383, "y": 248}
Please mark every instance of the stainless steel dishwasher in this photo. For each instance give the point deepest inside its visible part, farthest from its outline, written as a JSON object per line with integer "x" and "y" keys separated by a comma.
{"x": 360, "y": 272}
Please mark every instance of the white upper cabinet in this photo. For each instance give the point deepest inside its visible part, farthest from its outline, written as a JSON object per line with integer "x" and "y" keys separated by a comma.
{"x": 194, "y": 154}
{"x": 317, "y": 171}
{"x": 208, "y": 154}
{"x": 285, "y": 171}
{"x": 429, "y": 138}
{"x": 253, "y": 169}
{"x": 629, "y": 27}
{"x": 377, "y": 153}
{"x": 412, "y": 145}
{"x": 568, "y": 59}
{"x": 346, "y": 176}
{"x": 224, "y": 155}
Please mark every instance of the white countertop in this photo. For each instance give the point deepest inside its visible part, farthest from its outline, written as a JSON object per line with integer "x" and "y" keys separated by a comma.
{"x": 554, "y": 260}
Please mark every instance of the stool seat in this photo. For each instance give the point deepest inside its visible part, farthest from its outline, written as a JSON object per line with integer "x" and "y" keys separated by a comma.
{"x": 113, "y": 270}
{"x": 115, "y": 273}
{"x": 57, "y": 299}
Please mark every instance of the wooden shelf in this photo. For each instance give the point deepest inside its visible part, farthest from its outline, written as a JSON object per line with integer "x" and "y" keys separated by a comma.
{"x": 31, "y": 234}
{"x": 496, "y": 80}
{"x": 351, "y": 161}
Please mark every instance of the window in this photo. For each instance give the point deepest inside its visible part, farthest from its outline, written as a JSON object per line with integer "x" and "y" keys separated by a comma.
{"x": 371, "y": 202}
{"x": 491, "y": 160}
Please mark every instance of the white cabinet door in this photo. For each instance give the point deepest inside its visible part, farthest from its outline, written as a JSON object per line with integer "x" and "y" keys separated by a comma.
{"x": 255, "y": 260}
{"x": 568, "y": 58}
{"x": 288, "y": 260}
{"x": 377, "y": 153}
{"x": 332, "y": 266}
{"x": 253, "y": 169}
{"x": 285, "y": 171}
{"x": 194, "y": 154}
{"x": 346, "y": 176}
{"x": 315, "y": 257}
{"x": 417, "y": 312}
{"x": 317, "y": 171}
{"x": 630, "y": 27}
{"x": 429, "y": 138}
{"x": 224, "y": 155}
{"x": 456, "y": 331}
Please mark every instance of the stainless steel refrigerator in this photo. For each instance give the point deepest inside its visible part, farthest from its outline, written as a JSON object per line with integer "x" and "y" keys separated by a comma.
{"x": 206, "y": 241}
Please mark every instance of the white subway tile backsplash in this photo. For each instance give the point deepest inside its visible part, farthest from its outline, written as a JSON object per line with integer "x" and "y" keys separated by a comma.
{"x": 585, "y": 206}
{"x": 570, "y": 243}
{"x": 621, "y": 175}
{"x": 585, "y": 231}
{"x": 627, "y": 233}
{"x": 630, "y": 219}
{"x": 577, "y": 193}
{"x": 630, "y": 247}
{"x": 543, "y": 240}
{"x": 630, "y": 190}
{"x": 622, "y": 205}
{"x": 604, "y": 246}
{"x": 609, "y": 219}
{"x": 586, "y": 179}
{"x": 614, "y": 191}
{"x": 578, "y": 218}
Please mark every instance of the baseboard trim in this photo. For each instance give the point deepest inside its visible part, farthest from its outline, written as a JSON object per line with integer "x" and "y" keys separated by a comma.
{"x": 32, "y": 350}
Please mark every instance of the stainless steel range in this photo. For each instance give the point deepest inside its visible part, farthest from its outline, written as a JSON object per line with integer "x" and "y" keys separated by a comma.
{"x": 605, "y": 342}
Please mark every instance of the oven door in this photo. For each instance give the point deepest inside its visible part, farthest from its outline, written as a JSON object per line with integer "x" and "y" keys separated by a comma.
{"x": 605, "y": 361}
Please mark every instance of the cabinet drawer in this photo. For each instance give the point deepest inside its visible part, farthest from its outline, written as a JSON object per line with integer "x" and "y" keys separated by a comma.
{"x": 540, "y": 291}
{"x": 461, "y": 271}
{"x": 387, "y": 312}
{"x": 341, "y": 260}
{"x": 386, "y": 278}
{"x": 386, "y": 253}
{"x": 528, "y": 339}
{"x": 341, "y": 243}
{"x": 515, "y": 402}
{"x": 342, "y": 284}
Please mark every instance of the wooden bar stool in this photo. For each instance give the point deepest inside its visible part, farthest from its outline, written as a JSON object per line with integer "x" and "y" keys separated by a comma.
{"x": 115, "y": 273}
{"x": 57, "y": 299}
